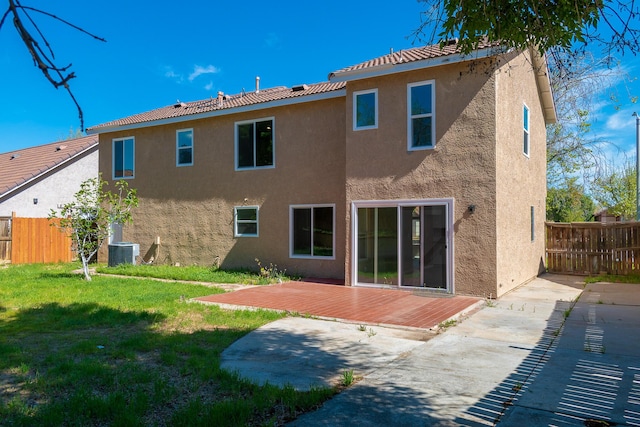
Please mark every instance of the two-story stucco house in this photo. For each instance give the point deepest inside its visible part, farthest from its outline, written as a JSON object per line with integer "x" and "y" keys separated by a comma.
{"x": 422, "y": 168}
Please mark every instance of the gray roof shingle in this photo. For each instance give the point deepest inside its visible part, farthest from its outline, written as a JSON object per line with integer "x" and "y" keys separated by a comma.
{"x": 19, "y": 166}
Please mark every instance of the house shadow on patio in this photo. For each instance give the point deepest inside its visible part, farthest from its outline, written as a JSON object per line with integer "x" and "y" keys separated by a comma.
{"x": 584, "y": 370}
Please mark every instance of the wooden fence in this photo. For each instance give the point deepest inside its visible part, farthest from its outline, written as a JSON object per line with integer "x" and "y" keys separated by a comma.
{"x": 5, "y": 239}
{"x": 592, "y": 248}
{"x": 33, "y": 240}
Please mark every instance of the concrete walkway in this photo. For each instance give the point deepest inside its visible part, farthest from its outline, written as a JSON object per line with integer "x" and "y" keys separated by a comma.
{"x": 535, "y": 357}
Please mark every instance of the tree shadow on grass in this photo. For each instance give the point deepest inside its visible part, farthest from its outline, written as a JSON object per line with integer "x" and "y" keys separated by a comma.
{"x": 88, "y": 364}
{"x": 54, "y": 317}
{"x": 84, "y": 363}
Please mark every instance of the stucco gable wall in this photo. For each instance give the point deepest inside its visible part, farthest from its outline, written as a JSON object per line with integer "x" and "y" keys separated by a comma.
{"x": 56, "y": 187}
{"x": 521, "y": 180}
{"x": 462, "y": 166}
{"x": 190, "y": 209}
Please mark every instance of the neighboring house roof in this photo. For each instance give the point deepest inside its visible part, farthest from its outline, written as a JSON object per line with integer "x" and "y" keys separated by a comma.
{"x": 403, "y": 60}
{"x": 20, "y": 167}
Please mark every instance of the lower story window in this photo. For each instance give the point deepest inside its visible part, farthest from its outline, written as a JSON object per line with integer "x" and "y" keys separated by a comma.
{"x": 312, "y": 231}
{"x": 246, "y": 221}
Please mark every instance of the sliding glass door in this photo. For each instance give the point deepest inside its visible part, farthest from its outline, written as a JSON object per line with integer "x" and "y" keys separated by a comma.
{"x": 405, "y": 244}
{"x": 378, "y": 246}
{"x": 424, "y": 247}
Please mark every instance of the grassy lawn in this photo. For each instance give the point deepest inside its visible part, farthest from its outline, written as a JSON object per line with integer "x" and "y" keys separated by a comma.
{"x": 126, "y": 352}
{"x": 269, "y": 274}
{"x": 632, "y": 278}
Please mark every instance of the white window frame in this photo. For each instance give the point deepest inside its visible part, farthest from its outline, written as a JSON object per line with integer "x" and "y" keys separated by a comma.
{"x": 410, "y": 117}
{"x": 273, "y": 144}
{"x": 113, "y": 157}
{"x": 526, "y": 128}
{"x": 236, "y": 221}
{"x": 355, "y": 109}
{"x": 178, "y": 148}
{"x": 333, "y": 225}
{"x": 398, "y": 204}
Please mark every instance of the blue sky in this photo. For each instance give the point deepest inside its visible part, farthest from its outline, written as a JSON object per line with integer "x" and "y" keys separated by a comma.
{"x": 158, "y": 52}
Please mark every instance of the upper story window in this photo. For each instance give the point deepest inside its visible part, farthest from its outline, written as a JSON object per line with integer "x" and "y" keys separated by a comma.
{"x": 184, "y": 147}
{"x": 255, "y": 144}
{"x": 421, "y": 108}
{"x": 124, "y": 158}
{"x": 245, "y": 221}
{"x": 525, "y": 126}
{"x": 312, "y": 231}
{"x": 365, "y": 109}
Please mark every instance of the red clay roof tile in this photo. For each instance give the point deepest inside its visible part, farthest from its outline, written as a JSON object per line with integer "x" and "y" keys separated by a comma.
{"x": 182, "y": 109}
{"x": 411, "y": 55}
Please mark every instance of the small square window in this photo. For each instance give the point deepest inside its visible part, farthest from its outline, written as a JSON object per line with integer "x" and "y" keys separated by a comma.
{"x": 246, "y": 221}
{"x": 123, "y": 158}
{"x": 184, "y": 147}
{"x": 365, "y": 110}
{"x": 421, "y": 118}
{"x": 525, "y": 126}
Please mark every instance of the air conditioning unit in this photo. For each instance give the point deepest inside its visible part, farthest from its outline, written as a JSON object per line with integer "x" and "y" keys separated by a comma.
{"x": 123, "y": 253}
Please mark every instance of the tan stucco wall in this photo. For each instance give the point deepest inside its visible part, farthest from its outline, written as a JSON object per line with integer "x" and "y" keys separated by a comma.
{"x": 191, "y": 208}
{"x": 462, "y": 166}
{"x": 521, "y": 179}
{"x": 319, "y": 159}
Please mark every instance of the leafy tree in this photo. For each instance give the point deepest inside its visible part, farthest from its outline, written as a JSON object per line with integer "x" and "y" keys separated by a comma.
{"x": 518, "y": 24}
{"x": 572, "y": 147}
{"x": 89, "y": 217}
{"x": 569, "y": 203}
{"x": 615, "y": 190}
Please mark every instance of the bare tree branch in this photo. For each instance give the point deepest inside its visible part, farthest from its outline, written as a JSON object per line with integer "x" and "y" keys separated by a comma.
{"x": 56, "y": 75}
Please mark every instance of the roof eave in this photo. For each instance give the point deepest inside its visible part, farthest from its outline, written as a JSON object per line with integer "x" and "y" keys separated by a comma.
{"x": 392, "y": 68}
{"x": 544, "y": 85}
{"x": 217, "y": 113}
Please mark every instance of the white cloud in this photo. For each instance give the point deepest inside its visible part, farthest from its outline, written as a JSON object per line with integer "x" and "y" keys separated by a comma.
{"x": 198, "y": 71}
{"x": 622, "y": 120}
{"x": 171, "y": 74}
{"x": 208, "y": 86}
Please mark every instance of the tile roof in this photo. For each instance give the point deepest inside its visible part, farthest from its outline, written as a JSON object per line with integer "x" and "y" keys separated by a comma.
{"x": 227, "y": 102}
{"x": 180, "y": 109}
{"x": 414, "y": 54}
{"x": 19, "y": 166}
